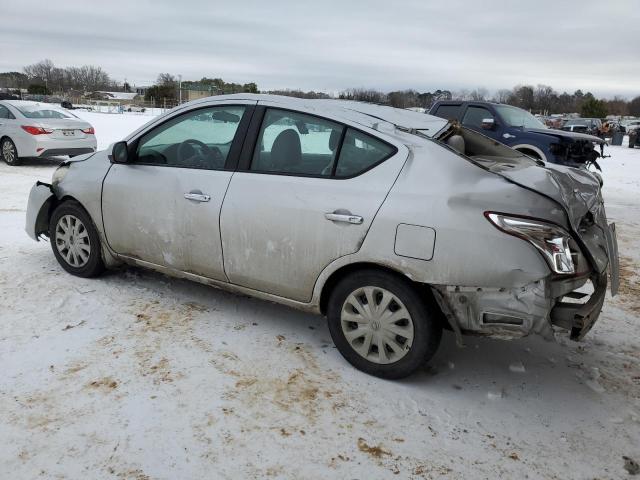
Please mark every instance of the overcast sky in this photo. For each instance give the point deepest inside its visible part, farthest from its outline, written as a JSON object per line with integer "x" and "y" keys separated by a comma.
{"x": 332, "y": 45}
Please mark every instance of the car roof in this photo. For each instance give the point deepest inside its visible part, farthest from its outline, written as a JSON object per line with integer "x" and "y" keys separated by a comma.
{"x": 367, "y": 114}
{"x": 18, "y": 103}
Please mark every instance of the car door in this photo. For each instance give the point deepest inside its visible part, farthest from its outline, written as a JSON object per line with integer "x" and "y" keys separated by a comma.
{"x": 164, "y": 206}
{"x": 473, "y": 118}
{"x": 304, "y": 195}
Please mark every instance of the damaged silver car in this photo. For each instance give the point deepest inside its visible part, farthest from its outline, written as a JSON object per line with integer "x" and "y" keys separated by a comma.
{"x": 393, "y": 224}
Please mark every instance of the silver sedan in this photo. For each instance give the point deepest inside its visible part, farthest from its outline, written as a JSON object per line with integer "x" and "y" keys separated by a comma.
{"x": 40, "y": 130}
{"x": 393, "y": 224}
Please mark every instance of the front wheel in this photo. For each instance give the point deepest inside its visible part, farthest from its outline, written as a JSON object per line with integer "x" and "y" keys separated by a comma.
{"x": 75, "y": 241}
{"x": 9, "y": 152}
{"x": 381, "y": 325}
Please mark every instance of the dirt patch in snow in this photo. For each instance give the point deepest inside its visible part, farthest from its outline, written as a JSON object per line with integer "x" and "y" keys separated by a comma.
{"x": 304, "y": 392}
{"x": 630, "y": 284}
{"x": 376, "y": 452}
{"x": 105, "y": 384}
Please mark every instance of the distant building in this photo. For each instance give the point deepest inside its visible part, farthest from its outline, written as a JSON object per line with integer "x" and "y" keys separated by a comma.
{"x": 195, "y": 92}
{"x": 141, "y": 90}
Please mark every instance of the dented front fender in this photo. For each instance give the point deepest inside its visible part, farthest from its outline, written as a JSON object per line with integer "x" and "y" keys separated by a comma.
{"x": 40, "y": 199}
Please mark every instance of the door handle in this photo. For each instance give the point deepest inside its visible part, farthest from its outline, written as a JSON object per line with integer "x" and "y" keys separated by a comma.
{"x": 344, "y": 217}
{"x": 197, "y": 197}
{"x": 508, "y": 135}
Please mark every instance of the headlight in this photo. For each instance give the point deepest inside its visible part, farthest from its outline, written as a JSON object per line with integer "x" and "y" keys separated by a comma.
{"x": 59, "y": 173}
{"x": 551, "y": 240}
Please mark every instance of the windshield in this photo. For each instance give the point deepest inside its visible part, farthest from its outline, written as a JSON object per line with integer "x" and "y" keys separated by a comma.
{"x": 516, "y": 117}
{"x": 37, "y": 111}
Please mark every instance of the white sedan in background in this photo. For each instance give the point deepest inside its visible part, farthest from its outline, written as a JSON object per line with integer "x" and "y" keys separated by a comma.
{"x": 31, "y": 129}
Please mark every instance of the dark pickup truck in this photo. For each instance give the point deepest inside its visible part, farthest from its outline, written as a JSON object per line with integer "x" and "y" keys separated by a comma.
{"x": 520, "y": 130}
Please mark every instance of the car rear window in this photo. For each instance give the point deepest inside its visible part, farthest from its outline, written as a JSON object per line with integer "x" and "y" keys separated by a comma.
{"x": 450, "y": 112}
{"x": 39, "y": 112}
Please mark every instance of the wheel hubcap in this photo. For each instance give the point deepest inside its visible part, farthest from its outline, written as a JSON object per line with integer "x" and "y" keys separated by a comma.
{"x": 8, "y": 152}
{"x": 377, "y": 325}
{"x": 72, "y": 241}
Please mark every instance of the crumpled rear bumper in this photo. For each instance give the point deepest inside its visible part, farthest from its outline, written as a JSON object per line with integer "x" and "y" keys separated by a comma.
{"x": 517, "y": 311}
{"x": 578, "y": 318}
{"x": 40, "y": 199}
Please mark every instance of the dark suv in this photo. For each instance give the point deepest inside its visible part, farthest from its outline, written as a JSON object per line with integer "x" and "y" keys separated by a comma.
{"x": 520, "y": 130}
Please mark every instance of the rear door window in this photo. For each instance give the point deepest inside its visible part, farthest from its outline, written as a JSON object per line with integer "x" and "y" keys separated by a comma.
{"x": 296, "y": 143}
{"x": 450, "y": 112}
{"x": 5, "y": 113}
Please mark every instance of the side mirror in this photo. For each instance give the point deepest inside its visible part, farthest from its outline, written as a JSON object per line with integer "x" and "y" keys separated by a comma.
{"x": 488, "y": 123}
{"x": 119, "y": 153}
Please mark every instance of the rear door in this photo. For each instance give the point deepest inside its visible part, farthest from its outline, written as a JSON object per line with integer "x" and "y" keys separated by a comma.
{"x": 305, "y": 194}
{"x": 448, "y": 111}
{"x": 164, "y": 207}
{"x": 7, "y": 122}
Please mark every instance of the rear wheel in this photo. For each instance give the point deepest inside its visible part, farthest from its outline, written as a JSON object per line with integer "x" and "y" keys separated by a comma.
{"x": 381, "y": 325}
{"x": 75, "y": 241}
{"x": 9, "y": 152}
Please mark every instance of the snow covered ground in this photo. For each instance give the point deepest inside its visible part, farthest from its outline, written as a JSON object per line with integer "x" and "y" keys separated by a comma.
{"x": 138, "y": 376}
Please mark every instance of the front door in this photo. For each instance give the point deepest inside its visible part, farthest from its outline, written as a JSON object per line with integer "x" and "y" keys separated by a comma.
{"x": 473, "y": 117}
{"x": 308, "y": 197}
{"x": 164, "y": 207}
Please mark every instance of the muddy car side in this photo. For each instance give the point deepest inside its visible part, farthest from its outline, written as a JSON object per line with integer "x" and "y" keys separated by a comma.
{"x": 450, "y": 229}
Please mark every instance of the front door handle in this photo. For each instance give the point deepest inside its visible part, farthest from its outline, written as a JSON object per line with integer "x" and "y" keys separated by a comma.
{"x": 197, "y": 196}
{"x": 344, "y": 217}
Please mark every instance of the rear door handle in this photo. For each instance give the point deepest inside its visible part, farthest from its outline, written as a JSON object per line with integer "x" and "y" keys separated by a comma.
{"x": 344, "y": 217}
{"x": 197, "y": 196}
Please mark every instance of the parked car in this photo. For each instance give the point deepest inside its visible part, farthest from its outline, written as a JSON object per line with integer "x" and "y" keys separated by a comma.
{"x": 634, "y": 135}
{"x": 31, "y": 129}
{"x": 629, "y": 124}
{"x": 134, "y": 108}
{"x": 391, "y": 223}
{"x": 589, "y": 126}
{"x": 520, "y": 130}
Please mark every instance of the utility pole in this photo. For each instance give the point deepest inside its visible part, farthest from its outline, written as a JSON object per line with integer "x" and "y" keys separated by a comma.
{"x": 180, "y": 89}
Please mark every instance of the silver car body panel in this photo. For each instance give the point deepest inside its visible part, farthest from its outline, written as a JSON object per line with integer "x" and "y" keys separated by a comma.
{"x": 37, "y": 220}
{"x": 158, "y": 224}
{"x": 278, "y": 245}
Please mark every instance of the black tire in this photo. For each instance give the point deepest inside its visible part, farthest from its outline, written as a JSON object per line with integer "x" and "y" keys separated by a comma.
{"x": 13, "y": 159}
{"x": 94, "y": 264}
{"x": 427, "y": 326}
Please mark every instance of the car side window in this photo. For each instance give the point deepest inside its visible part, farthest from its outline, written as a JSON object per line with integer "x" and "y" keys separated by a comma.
{"x": 474, "y": 115}
{"x": 360, "y": 152}
{"x": 198, "y": 139}
{"x": 296, "y": 143}
{"x": 450, "y": 112}
{"x": 5, "y": 113}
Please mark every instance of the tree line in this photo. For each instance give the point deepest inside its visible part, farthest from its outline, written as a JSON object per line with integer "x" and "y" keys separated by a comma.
{"x": 166, "y": 88}
{"x": 541, "y": 99}
{"x": 44, "y": 77}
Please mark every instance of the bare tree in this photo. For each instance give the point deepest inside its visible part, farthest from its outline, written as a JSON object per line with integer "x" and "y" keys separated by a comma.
{"x": 166, "y": 79}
